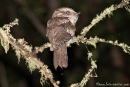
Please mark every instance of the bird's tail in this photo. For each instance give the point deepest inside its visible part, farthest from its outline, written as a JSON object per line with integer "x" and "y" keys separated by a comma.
{"x": 60, "y": 57}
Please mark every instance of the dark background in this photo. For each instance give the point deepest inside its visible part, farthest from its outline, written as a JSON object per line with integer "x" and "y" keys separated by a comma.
{"x": 113, "y": 63}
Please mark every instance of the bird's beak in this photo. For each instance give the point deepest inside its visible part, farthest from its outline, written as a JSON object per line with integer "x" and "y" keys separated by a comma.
{"x": 78, "y": 13}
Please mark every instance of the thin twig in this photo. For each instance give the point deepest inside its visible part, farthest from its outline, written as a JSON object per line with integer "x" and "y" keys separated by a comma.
{"x": 100, "y": 17}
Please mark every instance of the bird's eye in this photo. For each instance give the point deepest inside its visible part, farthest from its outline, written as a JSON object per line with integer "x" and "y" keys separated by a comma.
{"x": 67, "y": 12}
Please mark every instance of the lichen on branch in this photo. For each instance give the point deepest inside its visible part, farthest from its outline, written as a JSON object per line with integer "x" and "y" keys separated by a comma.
{"x": 23, "y": 50}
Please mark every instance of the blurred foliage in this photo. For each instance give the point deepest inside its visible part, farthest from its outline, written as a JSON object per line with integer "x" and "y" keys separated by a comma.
{"x": 113, "y": 63}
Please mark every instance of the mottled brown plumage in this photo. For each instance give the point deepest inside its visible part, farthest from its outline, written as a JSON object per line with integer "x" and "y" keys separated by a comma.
{"x": 60, "y": 31}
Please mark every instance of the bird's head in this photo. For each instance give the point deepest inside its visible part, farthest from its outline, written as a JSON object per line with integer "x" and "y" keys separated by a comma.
{"x": 66, "y": 12}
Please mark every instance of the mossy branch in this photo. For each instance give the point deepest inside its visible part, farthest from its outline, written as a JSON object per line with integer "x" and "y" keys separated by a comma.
{"x": 23, "y": 50}
{"x": 87, "y": 75}
{"x": 108, "y": 11}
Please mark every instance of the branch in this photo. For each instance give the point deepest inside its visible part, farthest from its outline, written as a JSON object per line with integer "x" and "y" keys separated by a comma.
{"x": 124, "y": 46}
{"x": 87, "y": 75}
{"x": 41, "y": 48}
{"x": 107, "y": 11}
{"x": 23, "y": 50}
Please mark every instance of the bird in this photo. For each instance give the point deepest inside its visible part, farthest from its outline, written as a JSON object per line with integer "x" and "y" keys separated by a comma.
{"x": 60, "y": 32}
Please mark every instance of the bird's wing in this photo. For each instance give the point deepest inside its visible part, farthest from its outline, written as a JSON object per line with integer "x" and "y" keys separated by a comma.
{"x": 59, "y": 35}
